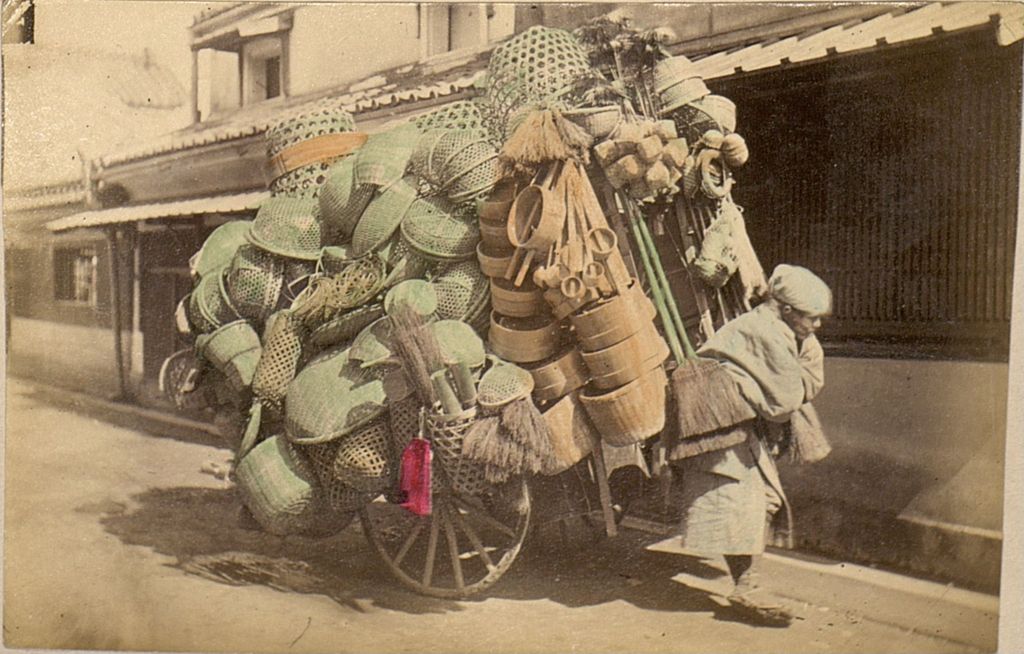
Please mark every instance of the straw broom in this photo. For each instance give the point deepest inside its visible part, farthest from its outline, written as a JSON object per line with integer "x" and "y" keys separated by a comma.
{"x": 543, "y": 136}
{"x": 707, "y": 398}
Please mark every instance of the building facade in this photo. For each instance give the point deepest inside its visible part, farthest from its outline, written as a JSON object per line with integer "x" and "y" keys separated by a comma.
{"x": 885, "y": 150}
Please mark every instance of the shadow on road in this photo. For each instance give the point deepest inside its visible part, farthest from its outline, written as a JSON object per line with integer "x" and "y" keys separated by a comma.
{"x": 200, "y": 529}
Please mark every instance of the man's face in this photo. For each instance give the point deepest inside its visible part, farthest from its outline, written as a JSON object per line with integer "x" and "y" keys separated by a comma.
{"x": 802, "y": 324}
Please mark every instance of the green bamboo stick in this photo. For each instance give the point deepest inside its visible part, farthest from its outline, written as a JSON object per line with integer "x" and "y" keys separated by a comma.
{"x": 663, "y": 280}
{"x": 656, "y": 292}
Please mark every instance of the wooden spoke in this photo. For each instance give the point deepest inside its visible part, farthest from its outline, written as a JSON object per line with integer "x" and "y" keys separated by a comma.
{"x": 475, "y": 539}
{"x": 407, "y": 545}
{"x": 428, "y": 570}
{"x": 479, "y": 514}
{"x": 453, "y": 548}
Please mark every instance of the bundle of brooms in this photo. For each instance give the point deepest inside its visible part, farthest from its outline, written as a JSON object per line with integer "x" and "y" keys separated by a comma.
{"x": 514, "y": 441}
{"x": 708, "y": 402}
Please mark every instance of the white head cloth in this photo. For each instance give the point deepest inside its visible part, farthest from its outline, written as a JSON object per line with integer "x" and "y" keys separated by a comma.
{"x": 801, "y": 289}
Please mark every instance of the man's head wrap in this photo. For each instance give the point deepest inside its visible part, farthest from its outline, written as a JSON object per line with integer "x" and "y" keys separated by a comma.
{"x": 800, "y": 289}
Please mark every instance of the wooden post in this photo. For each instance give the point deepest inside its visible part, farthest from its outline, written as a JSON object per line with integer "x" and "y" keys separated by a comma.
{"x": 115, "y": 310}
{"x": 195, "y": 87}
{"x": 604, "y": 491}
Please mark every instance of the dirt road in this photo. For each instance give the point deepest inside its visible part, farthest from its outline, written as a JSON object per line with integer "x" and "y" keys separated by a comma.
{"x": 115, "y": 540}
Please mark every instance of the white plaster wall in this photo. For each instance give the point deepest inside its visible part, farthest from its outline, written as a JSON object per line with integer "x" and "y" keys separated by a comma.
{"x": 336, "y": 44}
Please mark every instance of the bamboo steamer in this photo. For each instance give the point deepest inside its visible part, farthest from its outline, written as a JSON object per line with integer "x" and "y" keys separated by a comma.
{"x": 627, "y": 360}
{"x": 523, "y": 340}
{"x": 492, "y": 264}
{"x": 630, "y": 413}
{"x": 572, "y": 434}
{"x": 496, "y": 207}
{"x": 559, "y": 377}
{"x": 521, "y": 302}
{"x": 494, "y": 236}
{"x": 613, "y": 320}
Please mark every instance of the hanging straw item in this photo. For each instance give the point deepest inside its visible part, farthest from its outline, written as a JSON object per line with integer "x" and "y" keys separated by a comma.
{"x": 573, "y": 435}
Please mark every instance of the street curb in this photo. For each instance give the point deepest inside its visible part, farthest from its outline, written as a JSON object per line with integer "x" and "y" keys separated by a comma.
{"x": 154, "y": 421}
{"x": 941, "y": 611}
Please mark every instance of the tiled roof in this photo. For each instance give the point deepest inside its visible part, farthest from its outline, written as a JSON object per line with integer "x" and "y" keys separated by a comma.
{"x": 890, "y": 28}
{"x": 183, "y": 208}
{"x": 258, "y": 118}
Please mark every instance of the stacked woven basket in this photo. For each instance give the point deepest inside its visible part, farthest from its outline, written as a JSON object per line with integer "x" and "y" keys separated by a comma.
{"x": 517, "y": 278}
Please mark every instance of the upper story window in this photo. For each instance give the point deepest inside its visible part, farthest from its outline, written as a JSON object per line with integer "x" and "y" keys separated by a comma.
{"x": 465, "y": 26}
{"x": 240, "y": 58}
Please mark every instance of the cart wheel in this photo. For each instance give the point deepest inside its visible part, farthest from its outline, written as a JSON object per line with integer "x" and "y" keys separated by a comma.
{"x": 481, "y": 535}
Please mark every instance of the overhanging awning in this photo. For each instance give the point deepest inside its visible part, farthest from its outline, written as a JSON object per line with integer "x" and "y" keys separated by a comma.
{"x": 890, "y": 28}
{"x": 179, "y": 209}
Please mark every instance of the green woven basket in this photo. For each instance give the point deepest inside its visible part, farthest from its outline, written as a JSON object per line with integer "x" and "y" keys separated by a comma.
{"x": 254, "y": 282}
{"x": 278, "y": 486}
{"x": 331, "y": 397}
{"x": 288, "y": 227}
{"x": 343, "y": 328}
{"x": 219, "y": 247}
{"x": 383, "y": 216}
{"x": 432, "y": 229}
{"x": 342, "y": 201}
{"x": 209, "y": 305}
{"x": 365, "y": 459}
{"x": 459, "y": 343}
{"x": 234, "y": 350}
{"x": 384, "y": 157}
